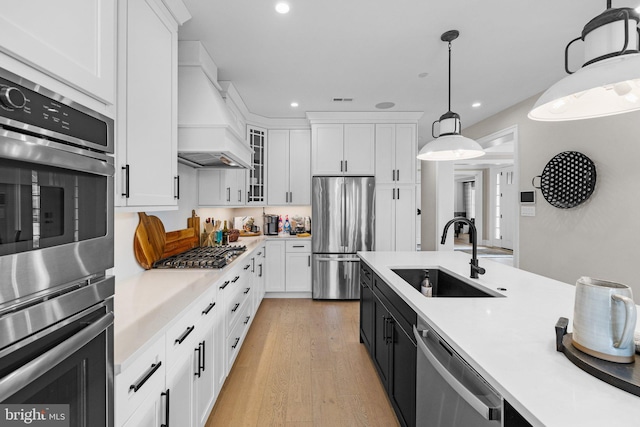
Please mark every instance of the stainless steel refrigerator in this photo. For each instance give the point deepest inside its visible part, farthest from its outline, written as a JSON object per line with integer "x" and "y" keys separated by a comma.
{"x": 343, "y": 217}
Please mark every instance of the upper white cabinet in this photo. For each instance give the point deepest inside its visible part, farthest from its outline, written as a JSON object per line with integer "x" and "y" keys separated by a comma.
{"x": 396, "y": 151}
{"x": 72, "y": 41}
{"x": 256, "y": 194}
{"x": 146, "y": 149}
{"x": 221, "y": 187}
{"x": 343, "y": 149}
{"x": 289, "y": 167}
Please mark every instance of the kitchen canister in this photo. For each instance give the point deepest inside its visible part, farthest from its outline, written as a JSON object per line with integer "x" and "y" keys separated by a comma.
{"x": 604, "y": 320}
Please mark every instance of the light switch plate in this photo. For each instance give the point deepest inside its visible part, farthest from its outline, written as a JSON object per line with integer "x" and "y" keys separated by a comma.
{"x": 527, "y": 211}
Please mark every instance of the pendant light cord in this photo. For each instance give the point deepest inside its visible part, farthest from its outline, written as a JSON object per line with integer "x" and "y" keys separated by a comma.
{"x": 449, "y": 76}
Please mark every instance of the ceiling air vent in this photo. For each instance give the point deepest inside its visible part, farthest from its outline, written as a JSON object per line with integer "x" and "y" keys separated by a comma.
{"x": 342, "y": 99}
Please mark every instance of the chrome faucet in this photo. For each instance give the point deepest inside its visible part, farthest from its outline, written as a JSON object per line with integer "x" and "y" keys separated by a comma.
{"x": 473, "y": 237}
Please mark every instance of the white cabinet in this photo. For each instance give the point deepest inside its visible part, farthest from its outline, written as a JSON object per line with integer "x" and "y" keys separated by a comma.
{"x": 289, "y": 167}
{"x": 257, "y": 269}
{"x": 146, "y": 149}
{"x": 179, "y": 381}
{"x": 73, "y": 41}
{"x": 221, "y": 187}
{"x": 298, "y": 266}
{"x": 339, "y": 149}
{"x": 256, "y": 191}
{"x": 149, "y": 413}
{"x": 275, "y": 266}
{"x": 205, "y": 393}
{"x": 396, "y": 151}
{"x": 395, "y": 217}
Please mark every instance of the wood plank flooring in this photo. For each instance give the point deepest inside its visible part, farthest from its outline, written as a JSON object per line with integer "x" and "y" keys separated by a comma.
{"x": 302, "y": 364}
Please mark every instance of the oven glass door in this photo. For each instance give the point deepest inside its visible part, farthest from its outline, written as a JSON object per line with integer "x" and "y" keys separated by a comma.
{"x": 44, "y": 206}
{"x": 81, "y": 378}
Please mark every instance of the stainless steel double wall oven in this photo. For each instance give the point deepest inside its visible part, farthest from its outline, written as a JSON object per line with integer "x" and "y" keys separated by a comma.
{"x": 56, "y": 244}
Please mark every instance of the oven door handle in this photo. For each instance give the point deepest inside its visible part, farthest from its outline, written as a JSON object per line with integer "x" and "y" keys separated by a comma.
{"x": 26, "y": 374}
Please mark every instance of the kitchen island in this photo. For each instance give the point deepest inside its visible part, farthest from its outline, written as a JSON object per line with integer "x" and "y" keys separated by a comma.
{"x": 511, "y": 341}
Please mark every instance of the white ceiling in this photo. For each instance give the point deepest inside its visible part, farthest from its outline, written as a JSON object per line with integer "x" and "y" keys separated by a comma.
{"x": 373, "y": 51}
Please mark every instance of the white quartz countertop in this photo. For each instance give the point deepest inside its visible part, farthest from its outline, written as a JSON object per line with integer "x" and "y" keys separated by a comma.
{"x": 511, "y": 341}
{"x": 146, "y": 303}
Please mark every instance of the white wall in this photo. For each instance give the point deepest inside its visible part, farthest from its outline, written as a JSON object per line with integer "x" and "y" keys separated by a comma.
{"x": 597, "y": 238}
{"x": 437, "y": 204}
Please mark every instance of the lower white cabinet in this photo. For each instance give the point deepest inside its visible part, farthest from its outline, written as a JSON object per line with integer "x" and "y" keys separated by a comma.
{"x": 181, "y": 373}
{"x": 288, "y": 266}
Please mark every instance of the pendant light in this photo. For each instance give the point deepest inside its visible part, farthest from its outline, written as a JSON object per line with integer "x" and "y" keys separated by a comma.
{"x": 608, "y": 82}
{"x": 449, "y": 144}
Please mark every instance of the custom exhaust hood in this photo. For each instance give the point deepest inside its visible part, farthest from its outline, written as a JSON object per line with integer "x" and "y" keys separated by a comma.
{"x": 209, "y": 134}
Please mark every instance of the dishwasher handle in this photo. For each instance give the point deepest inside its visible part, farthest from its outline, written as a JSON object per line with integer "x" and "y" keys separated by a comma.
{"x": 489, "y": 413}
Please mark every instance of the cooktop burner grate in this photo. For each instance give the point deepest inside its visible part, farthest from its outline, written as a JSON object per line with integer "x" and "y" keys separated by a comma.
{"x": 206, "y": 257}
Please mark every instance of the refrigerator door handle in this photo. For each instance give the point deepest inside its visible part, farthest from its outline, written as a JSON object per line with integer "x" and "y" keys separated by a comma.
{"x": 343, "y": 241}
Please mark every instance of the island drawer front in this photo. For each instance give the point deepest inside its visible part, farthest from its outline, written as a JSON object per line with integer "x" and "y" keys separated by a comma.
{"x": 404, "y": 315}
{"x": 297, "y": 246}
{"x": 144, "y": 375}
{"x": 365, "y": 273}
{"x": 181, "y": 335}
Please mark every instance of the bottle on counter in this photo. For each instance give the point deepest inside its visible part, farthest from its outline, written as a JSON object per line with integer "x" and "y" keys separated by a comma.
{"x": 425, "y": 286}
{"x": 307, "y": 224}
{"x": 225, "y": 234}
{"x": 280, "y": 228}
{"x": 287, "y": 226}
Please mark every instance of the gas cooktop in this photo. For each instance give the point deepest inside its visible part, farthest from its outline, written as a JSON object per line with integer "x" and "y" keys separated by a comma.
{"x": 205, "y": 257}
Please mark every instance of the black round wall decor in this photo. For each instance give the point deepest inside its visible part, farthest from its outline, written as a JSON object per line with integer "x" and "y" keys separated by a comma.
{"x": 567, "y": 180}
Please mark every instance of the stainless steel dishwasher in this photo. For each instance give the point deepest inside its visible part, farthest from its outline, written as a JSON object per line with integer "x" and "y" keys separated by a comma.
{"x": 449, "y": 392}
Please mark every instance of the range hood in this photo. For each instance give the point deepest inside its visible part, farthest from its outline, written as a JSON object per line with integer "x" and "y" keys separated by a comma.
{"x": 209, "y": 134}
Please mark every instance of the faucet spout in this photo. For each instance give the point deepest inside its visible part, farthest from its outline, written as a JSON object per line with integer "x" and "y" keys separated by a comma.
{"x": 473, "y": 233}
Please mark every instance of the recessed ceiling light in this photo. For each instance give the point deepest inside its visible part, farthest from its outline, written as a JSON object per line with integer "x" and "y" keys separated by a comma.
{"x": 385, "y": 105}
{"x": 294, "y": 104}
{"x": 282, "y": 7}
{"x": 476, "y": 104}
{"x": 423, "y": 75}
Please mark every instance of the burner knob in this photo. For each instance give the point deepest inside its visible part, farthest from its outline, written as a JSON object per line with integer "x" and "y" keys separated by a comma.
{"x": 12, "y": 97}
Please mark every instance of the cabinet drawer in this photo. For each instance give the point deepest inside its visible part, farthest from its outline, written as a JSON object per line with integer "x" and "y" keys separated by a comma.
{"x": 236, "y": 336}
{"x": 181, "y": 336}
{"x": 145, "y": 376}
{"x": 237, "y": 305}
{"x": 365, "y": 273}
{"x": 296, "y": 246}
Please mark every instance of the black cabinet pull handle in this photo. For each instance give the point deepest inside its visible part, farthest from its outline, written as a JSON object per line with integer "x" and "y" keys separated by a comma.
{"x": 224, "y": 285}
{"x": 247, "y": 321}
{"x": 235, "y": 279}
{"x": 346, "y": 166}
{"x": 125, "y": 168}
{"x": 166, "y": 409}
{"x": 199, "y": 351}
{"x": 233, "y": 310}
{"x": 204, "y": 361}
{"x": 246, "y": 266}
{"x": 398, "y": 192}
{"x": 384, "y": 328}
{"x": 246, "y": 291}
{"x": 309, "y": 261}
{"x": 154, "y": 367}
{"x": 260, "y": 273}
{"x": 259, "y": 253}
{"x": 253, "y": 265}
{"x": 177, "y": 187}
{"x": 236, "y": 343}
{"x": 184, "y": 335}
{"x": 208, "y": 309}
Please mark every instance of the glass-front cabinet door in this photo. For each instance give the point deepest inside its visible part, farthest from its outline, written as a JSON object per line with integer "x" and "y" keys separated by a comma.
{"x": 256, "y": 193}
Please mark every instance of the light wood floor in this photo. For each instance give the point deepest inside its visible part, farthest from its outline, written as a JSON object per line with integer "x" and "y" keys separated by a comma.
{"x": 302, "y": 365}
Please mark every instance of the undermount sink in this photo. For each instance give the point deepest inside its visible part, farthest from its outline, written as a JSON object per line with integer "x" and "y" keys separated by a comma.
{"x": 444, "y": 284}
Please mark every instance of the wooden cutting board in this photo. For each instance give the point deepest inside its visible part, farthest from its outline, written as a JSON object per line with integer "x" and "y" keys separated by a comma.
{"x": 151, "y": 243}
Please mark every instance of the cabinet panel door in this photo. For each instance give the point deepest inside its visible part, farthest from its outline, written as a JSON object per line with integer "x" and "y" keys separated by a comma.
{"x": 380, "y": 346}
{"x": 298, "y": 272}
{"x": 211, "y": 190}
{"x": 151, "y": 130}
{"x": 406, "y": 150}
{"x": 275, "y": 271}
{"x": 385, "y": 153}
{"x": 150, "y": 413}
{"x": 180, "y": 383}
{"x": 327, "y": 149}
{"x": 359, "y": 149}
{"x": 277, "y": 167}
{"x": 366, "y": 314}
{"x": 205, "y": 393}
{"x": 402, "y": 387}
{"x": 405, "y": 218}
{"x": 73, "y": 41}
{"x": 385, "y": 218}
{"x": 300, "y": 167}
{"x": 236, "y": 180}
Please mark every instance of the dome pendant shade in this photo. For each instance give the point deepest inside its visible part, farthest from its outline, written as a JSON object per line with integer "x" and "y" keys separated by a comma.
{"x": 449, "y": 144}
{"x": 609, "y": 81}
